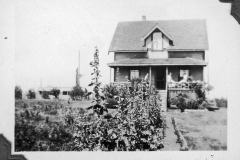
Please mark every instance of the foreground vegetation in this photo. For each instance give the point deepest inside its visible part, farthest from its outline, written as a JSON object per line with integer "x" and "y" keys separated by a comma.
{"x": 203, "y": 130}
{"x": 136, "y": 123}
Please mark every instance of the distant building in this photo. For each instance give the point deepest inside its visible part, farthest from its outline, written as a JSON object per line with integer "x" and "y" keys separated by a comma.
{"x": 64, "y": 91}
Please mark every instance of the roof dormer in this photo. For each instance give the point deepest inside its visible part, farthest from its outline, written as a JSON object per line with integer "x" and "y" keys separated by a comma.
{"x": 157, "y": 27}
{"x": 157, "y": 39}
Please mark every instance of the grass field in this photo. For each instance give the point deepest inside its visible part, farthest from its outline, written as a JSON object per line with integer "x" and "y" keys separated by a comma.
{"x": 203, "y": 130}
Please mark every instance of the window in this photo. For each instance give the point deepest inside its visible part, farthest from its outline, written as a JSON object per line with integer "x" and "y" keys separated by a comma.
{"x": 64, "y": 92}
{"x": 184, "y": 71}
{"x": 157, "y": 43}
{"x": 134, "y": 74}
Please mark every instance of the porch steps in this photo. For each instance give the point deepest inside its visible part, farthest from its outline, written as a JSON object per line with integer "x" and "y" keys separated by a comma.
{"x": 163, "y": 98}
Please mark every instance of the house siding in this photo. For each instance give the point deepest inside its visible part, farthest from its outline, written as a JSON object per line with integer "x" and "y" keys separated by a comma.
{"x": 183, "y": 54}
{"x": 129, "y": 55}
{"x": 157, "y": 54}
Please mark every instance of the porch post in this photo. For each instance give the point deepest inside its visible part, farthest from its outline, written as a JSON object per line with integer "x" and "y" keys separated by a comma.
{"x": 166, "y": 77}
{"x": 150, "y": 75}
{"x": 110, "y": 75}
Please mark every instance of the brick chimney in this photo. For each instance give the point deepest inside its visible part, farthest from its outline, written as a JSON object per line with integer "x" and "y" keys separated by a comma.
{"x": 144, "y": 18}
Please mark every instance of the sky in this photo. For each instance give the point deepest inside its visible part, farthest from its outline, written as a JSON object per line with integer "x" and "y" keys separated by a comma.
{"x": 50, "y": 33}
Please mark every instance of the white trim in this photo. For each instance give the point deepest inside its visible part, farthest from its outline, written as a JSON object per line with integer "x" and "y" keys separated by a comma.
{"x": 156, "y": 27}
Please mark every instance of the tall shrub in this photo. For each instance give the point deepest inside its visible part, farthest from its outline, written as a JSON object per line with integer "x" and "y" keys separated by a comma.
{"x": 18, "y": 92}
{"x": 31, "y": 94}
{"x": 110, "y": 90}
{"x": 76, "y": 92}
{"x": 45, "y": 95}
{"x": 221, "y": 102}
{"x": 55, "y": 92}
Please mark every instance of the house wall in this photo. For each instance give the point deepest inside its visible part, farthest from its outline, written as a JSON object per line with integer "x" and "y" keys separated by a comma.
{"x": 157, "y": 54}
{"x": 183, "y": 54}
{"x": 129, "y": 55}
{"x": 195, "y": 71}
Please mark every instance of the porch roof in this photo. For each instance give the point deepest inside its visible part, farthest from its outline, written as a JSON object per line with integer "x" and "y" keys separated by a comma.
{"x": 158, "y": 62}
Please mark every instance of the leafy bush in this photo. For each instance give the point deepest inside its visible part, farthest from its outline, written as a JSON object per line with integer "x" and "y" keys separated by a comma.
{"x": 135, "y": 80}
{"x": 55, "y": 92}
{"x": 110, "y": 90}
{"x": 200, "y": 92}
{"x": 138, "y": 123}
{"x": 76, "y": 92}
{"x": 25, "y": 136}
{"x": 111, "y": 103}
{"x": 45, "y": 95}
{"x": 18, "y": 92}
{"x": 31, "y": 94}
{"x": 221, "y": 102}
{"x": 49, "y": 136}
{"x": 192, "y": 104}
{"x": 181, "y": 101}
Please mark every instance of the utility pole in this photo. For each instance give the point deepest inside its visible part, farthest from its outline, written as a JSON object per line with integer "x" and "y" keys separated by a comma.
{"x": 78, "y": 75}
{"x": 79, "y": 70}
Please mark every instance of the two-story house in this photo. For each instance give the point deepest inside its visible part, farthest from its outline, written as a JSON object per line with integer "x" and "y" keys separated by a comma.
{"x": 159, "y": 48}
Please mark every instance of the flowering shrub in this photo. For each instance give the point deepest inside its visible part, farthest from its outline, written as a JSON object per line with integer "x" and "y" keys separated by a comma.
{"x": 137, "y": 124}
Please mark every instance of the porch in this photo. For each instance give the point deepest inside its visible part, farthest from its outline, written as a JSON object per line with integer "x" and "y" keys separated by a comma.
{"x": 158, "y": 73}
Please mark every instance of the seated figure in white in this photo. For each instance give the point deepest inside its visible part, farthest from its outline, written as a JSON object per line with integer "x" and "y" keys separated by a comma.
{"x": 169, "y": 79}
{"x": 185, "y": 78}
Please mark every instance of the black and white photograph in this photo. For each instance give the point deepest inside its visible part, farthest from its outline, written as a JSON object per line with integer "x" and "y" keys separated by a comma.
{"x": 122, "y": 77}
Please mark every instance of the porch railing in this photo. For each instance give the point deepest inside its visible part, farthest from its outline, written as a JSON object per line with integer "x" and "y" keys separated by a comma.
{"x": 120, "y": 83}
{"x": 182, "y": 85}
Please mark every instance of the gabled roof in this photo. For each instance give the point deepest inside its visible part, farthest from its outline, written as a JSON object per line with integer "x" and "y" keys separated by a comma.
{"x": 157, "y": 27}
{"x": 185, "y": 34}
{"x": 158, "y": 62}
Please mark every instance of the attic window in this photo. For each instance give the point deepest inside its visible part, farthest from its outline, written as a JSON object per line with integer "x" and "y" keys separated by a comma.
{"x": 157, "y": 42}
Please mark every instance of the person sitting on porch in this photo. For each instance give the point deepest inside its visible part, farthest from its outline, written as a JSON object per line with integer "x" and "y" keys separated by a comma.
{"x": 185, "y": 78}
{"x": 169, "y": 79}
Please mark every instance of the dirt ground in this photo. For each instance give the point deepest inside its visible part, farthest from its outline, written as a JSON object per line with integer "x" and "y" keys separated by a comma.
{"x": 203, "y": 130}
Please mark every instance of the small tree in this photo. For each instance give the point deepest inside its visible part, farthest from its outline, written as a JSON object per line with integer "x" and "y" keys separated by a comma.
{"x": 76, "y": 92}
{"x": 55, "y": 92}
{"x": 181, "y": 101}
{"x": 31, "y": 94}
{"x": 45, "y": 95}
{"x": 18, "y": 92}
